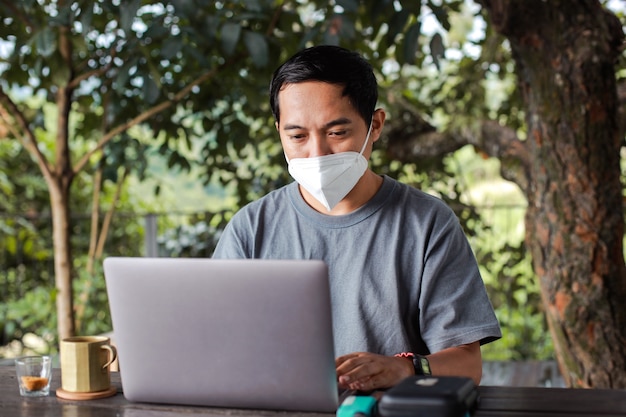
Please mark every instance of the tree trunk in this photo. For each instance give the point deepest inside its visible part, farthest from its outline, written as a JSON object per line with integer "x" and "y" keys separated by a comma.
{"x": 59, "y": 203}
{"x": 565, "y": 53}
{"x": 59, "y": 182}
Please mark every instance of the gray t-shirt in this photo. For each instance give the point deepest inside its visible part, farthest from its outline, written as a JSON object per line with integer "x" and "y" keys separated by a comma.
{"x": 402, "y": 274}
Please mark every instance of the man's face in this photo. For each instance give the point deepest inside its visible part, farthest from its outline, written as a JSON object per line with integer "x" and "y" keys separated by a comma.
{"x": 316, "y": 120}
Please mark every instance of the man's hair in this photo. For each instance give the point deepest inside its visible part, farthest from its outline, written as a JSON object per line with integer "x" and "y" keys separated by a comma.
{"x": 334, "y": 65}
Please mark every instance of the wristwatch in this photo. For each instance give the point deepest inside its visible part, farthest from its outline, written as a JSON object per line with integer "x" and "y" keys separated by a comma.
{"x": 420, "y": 362}
{"x": 421, "y": 365}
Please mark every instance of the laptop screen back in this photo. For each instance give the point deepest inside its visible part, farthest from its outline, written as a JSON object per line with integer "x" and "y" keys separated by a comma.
{"x": 228, "y": 333}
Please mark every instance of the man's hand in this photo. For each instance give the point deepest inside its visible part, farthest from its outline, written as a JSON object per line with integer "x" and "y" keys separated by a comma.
{"x": 364, "y": 371}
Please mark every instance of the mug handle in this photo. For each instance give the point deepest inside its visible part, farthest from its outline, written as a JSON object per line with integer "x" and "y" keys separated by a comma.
{"x": 112, "y": 352}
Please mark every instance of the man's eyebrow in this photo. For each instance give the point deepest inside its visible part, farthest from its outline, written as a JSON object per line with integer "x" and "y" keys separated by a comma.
{"x": 292, "y": 127}
{"x": 337, "y": 122}
{"x": 332, "y": 123}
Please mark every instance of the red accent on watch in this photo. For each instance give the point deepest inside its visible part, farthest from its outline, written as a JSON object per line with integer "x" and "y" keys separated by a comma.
{"x": 420, "y": 363}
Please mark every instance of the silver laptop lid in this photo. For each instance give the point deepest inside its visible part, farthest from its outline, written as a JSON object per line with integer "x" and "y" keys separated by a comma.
{"x": 228, "y": 333}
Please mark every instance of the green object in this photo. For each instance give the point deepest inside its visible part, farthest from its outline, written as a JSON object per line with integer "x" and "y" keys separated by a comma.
{"x": 357, "y": 405}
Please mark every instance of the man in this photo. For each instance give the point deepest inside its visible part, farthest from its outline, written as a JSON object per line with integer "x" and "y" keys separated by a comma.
{"x": 404, "y": 281}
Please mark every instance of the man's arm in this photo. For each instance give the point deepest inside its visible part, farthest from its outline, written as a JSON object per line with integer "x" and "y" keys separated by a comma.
{"x": 464, "y": 360}
{"x": 368, "y": 371}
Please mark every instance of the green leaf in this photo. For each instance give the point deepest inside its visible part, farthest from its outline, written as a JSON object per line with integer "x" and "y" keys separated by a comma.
{"x": 441, "y": 13}
{"x": 308, "y": 36}
{"x": 411, "y": 43}
{"x": 185, "y": 8}
{"x": 347, "y": 29}
{"x": 123, "y": 75}
{"x": 211, "y": 26}
{"x": 437, "y": 49}
{"x": 150, "y": 90}
{"x": 171, "y": 47}
{"x": 45, "y": 42}
{"x": 411, "y": 6}
{"x": 396, "y": 25}
{"x": 86, "y": 16}
{"x": 257, "y": 48}
{"x": 156, "y": 31}
{"x": 349, "y": 5}
{"x": 230, "y": 36}
{"x": 253, "y": 5}
{"x": 128, "y": 12}
{"x": 64, "y": 16}
{"x": 120, "y": 80}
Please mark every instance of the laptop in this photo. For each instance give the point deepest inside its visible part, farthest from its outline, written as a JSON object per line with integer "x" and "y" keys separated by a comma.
{"x": 224, "y": 333}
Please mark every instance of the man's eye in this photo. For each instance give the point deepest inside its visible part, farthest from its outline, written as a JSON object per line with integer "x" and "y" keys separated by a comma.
{"x": 338, "y": 133}
{"x": 298, "y": 136}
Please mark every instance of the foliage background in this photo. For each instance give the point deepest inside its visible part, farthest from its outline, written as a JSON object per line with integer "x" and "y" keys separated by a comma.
{"x": 29, "y": 302}
{"x": 453, "y": 73}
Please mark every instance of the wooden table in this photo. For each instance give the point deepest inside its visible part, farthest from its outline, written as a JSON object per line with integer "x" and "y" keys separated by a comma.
{"x": 494, "y": 402}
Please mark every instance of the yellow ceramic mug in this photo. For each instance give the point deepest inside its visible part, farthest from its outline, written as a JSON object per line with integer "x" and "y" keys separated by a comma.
{"x": 85, "y": 362}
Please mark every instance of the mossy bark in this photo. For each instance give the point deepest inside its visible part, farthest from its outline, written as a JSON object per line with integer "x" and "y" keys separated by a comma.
{"x": 565, "y": 53}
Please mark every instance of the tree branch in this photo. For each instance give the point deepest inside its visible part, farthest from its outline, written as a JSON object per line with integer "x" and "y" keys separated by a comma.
{"x": 274, "y": 21}
{"x": 95, "y": 218}
{"x": 63, "y": 98}
{"x": 108, "y": 217}
{"x": 151, "y": 112}
{"x": 166, "y": 104}
{"x": 75, "y": 82}
{"x": 27, "y": 139}
{"x": 7, "y": 125}
{"x": 502, "y": 142}
{"x": 411, "y": 139}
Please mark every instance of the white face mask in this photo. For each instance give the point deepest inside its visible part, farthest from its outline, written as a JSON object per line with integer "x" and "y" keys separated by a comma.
{"x": 329, "y": 178}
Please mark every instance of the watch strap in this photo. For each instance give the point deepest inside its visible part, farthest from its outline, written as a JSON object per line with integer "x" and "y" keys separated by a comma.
{"x": 421, "y": 365}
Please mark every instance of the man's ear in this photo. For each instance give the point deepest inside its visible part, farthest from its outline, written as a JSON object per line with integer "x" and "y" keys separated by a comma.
{"x": 378, "y": 121}
{"x": 276, "y": 126}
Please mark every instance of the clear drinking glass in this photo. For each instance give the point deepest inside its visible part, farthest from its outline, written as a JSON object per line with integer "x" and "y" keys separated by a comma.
{"x": 33, "y": 375}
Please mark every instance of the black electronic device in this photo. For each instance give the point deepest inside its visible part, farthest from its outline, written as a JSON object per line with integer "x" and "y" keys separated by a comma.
{"x": 429, "y": 396}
